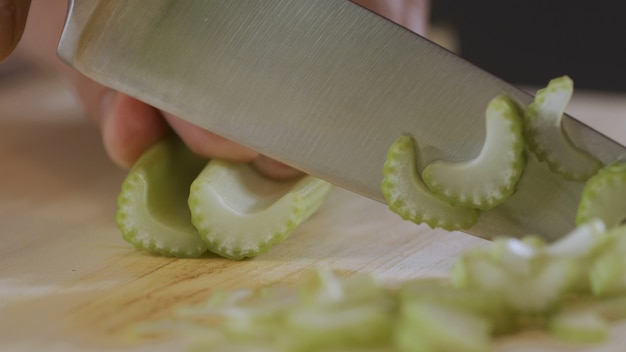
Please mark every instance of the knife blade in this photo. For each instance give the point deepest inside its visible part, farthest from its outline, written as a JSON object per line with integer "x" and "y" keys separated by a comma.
{"x": 324, "y": 86}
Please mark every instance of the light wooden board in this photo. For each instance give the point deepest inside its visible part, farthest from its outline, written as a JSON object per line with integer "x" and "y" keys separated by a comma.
{"x": 68, "y": 282}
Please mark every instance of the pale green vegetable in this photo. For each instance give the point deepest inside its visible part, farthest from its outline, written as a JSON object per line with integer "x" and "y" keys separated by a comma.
{"x": 479, "y": 303}
{"x": 604, "y": 196}
{"x": 152, "y": 207}
{"x": 607, "y": 273}
{"x": 174, "y": 203}
{"x": 491, "y": 177}
{"x": 535, "y": 287}
{"x": 584, "y": 326}
{"x": 240, "y": 213}
{"x": 427, "y": 326}
{"x": 510, "y": 286}
{"x": 408, "y": 196}
{"x": 548, "y": 140}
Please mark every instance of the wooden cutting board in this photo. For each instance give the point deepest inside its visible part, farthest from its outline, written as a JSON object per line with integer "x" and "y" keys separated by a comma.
{"x": 68, "y": 282}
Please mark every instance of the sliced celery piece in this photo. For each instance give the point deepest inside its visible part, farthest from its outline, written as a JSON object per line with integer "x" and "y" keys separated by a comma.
{"x": 604, "y": 196}
{"x": 152, "y": 207}
{"x": 527, "y": 282}
{"x": 548, "y": 140}
{"x": 608, "y": 274}
{"x": 427, "y": 326}
{"x": 409, "y": 197}
{"x": 490, "y": 178}
{"x": 240, "y": 213}
{"x": 583, "y": 241}
{"x": 583, "y": 326}
{"x": 318, "y": 328}
{"x": 475, "y": 301}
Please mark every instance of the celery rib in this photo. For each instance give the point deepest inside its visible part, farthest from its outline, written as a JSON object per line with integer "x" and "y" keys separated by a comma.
{"x": 408, "y": 196}
{"x": 152, "y": 206}
{"x": 490, "y": 178}
{"x": 240, "y": 213}
{"x": 548, "y": 140}
{"x": 604, "y": 196}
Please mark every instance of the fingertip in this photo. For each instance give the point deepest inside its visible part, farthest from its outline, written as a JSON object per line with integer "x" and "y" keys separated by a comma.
{"x": 207, "y": 144}
{"x": 12, "y": 22}
{"x": 129, "y": 128}
{"x": 275, "y": 169}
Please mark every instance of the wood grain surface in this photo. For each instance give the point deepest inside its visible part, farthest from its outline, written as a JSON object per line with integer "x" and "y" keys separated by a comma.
{"x": 68, "y": 282}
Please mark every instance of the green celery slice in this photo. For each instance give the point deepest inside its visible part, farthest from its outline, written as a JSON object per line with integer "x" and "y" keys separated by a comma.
{"x": 604, "y": 196}
{"x": 427, "y": 326}
{"x": 526, "y": 283}
{"x": 583, "y": 326}
{"x": 240, "y": 213}
{"x": 491, "y": 177}
{"x": 475, "y": 301}
{"x": 584, "y": 241}
{"x": 359, "y": 325}
{"x": 548, "y": 140}
{"x": 408, "y": 196}
{"x": 152, "y": 207}
{"x": 607, "y": 274}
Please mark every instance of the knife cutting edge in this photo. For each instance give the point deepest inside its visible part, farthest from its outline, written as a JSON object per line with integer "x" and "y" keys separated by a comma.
{"x": 323, "y": 86}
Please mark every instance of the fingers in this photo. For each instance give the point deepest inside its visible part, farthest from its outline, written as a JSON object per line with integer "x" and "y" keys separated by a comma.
{"x": 13, "y": 15}
{"x": 210, "y": 145}
{"x": 207, "y": 144}
{"x": 274, "y": 169}
{"x": 130, "y": 127}
{"x": 412, "y": 14}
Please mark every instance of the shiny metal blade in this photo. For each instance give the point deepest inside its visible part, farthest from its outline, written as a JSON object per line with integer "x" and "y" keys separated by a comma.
{"x": 325, "y": 86}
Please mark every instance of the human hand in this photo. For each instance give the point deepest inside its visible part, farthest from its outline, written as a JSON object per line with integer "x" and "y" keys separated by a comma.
{"x": 411, "y": 14}
{"x": 128, "y": 126}
{"x": 12, "y": 22}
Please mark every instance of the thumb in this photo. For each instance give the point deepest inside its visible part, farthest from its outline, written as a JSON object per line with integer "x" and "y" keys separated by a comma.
{"x": 13, "y": 15}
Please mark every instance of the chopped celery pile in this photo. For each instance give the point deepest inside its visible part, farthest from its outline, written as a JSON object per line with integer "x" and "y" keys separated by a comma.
{"x": 512, "y": 285}
{"x": 174, "y": 203}
{"x": 548, "y": 140}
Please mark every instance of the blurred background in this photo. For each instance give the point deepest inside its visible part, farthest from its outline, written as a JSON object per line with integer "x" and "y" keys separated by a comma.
{"x": 528, "y": 42}
{"x": 525, "y": 42}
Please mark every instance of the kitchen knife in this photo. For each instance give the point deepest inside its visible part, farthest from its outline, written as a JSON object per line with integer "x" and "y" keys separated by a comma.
{"x": 325, "y": 86}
